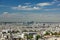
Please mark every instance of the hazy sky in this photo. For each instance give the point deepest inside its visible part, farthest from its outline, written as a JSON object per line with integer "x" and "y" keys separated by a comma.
{"x": 30, "y": 10}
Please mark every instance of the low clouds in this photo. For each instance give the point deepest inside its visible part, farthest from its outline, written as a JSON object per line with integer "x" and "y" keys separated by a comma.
{"x": 18, "y": 17}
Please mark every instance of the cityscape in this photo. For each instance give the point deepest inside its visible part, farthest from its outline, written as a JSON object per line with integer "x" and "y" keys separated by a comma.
{"x": 30, "y": 30}
{"x": 29, "y": 19}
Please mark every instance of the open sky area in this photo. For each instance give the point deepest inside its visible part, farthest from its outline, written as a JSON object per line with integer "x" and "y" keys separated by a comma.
{"x": 30, "y": 10}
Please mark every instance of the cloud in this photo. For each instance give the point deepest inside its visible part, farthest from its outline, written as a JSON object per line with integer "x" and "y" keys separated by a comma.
{"x": 19, "y": 7}
{"x": 38, "y": 6}
{"x": 53, "y": 9}
{"x": 58, "y": 5}
{"x": 56, "y": 0}
{"x": 43, "y": 4}
{"x": 53, "y": 2}
{"x": 18, "y": 17}
{"x": 5, "y": 14}
{"x": 33, "y": 7}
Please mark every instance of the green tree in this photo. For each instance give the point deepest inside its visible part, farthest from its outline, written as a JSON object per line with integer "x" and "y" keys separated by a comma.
{"x": 30, "y": 37}
{"x": 37, "y": 37}
{"x": 47, "y": 33}
{"x": 55, "y": 33}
